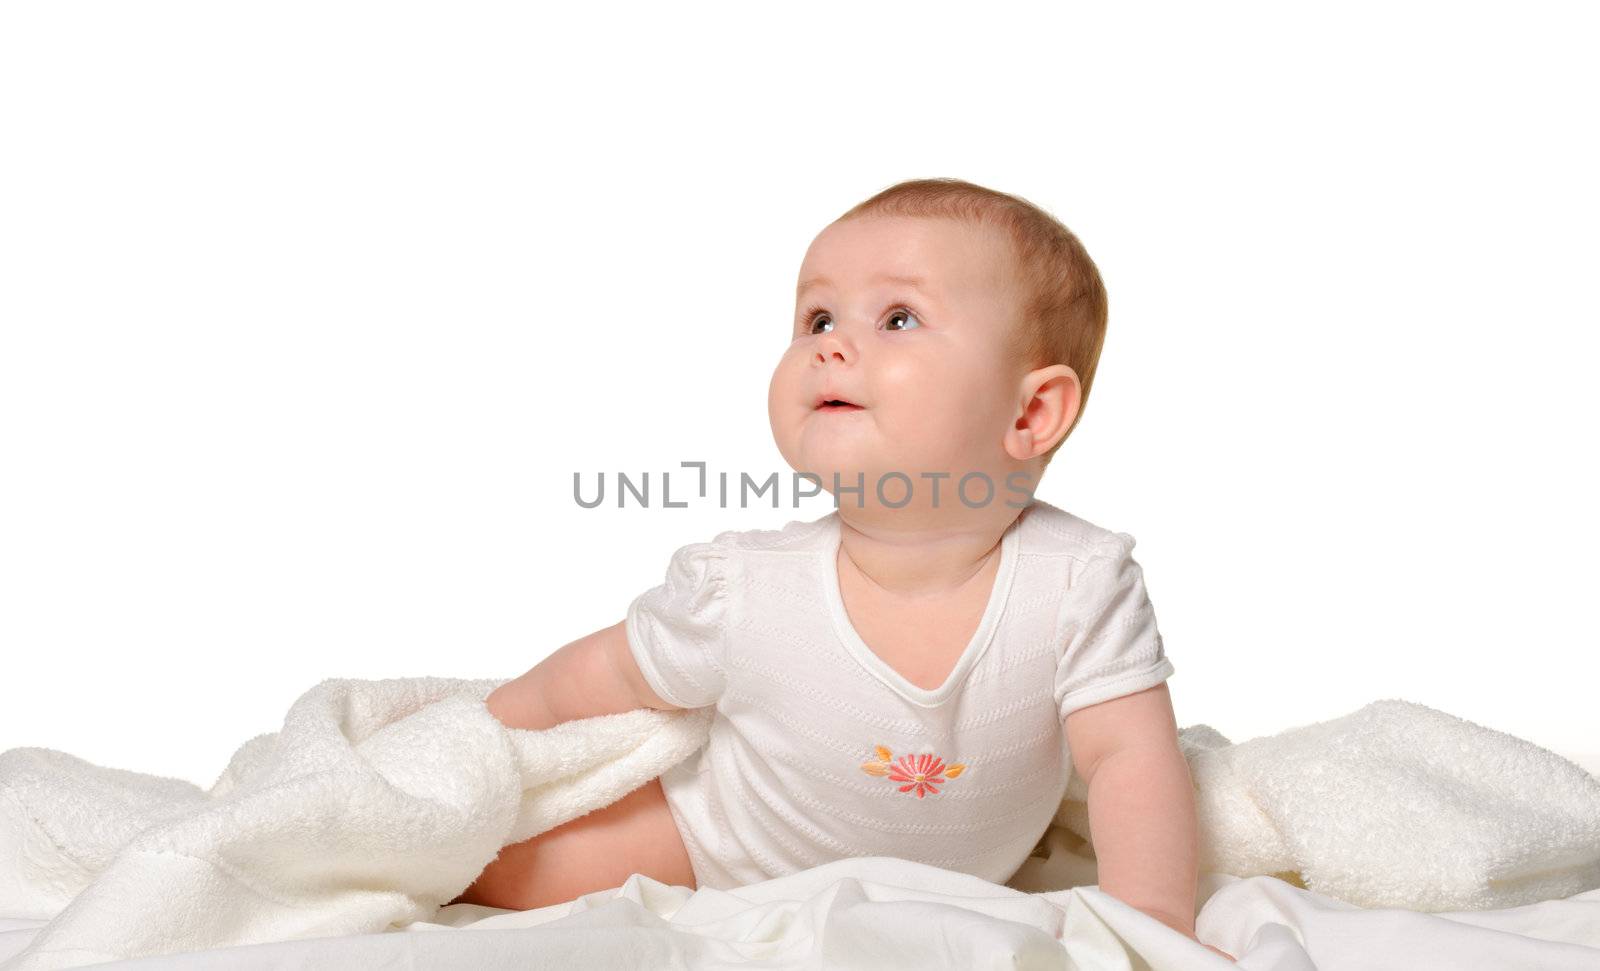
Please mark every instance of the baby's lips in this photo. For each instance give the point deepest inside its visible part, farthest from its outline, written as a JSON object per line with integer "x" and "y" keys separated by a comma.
{"x": 822, "y": 398}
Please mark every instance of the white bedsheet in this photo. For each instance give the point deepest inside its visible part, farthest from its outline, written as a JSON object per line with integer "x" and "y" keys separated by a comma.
{"x": 1399, "y": 804}
{"x": 883, "y": 913}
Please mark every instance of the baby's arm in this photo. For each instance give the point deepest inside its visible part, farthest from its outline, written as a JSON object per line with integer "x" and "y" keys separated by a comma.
{"x": 592, "y": 676}
{"x": 1141, "y": 803}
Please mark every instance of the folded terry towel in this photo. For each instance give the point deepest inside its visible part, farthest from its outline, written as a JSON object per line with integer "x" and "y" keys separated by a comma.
{"x": 377, "y": 803}
{"x": 1393, "y": 805}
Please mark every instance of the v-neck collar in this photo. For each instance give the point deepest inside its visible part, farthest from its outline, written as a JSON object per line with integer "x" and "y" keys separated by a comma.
{"x": 877, "y": 666}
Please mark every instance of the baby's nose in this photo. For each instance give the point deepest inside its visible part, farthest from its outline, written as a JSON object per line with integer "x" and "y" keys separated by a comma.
{"x": 832, "y": 347}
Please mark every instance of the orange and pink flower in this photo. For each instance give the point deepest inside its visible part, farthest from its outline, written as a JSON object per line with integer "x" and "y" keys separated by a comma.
{"x": 921, "y": 774}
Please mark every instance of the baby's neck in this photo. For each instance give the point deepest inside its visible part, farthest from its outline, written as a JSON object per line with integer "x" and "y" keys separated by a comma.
{"x": 916, "y": 560}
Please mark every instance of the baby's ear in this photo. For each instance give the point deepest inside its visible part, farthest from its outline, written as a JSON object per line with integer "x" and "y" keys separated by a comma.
{"x": 1049, "y": 400}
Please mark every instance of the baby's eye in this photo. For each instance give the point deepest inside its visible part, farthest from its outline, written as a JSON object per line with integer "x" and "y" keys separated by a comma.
{"x": 813, "y": 318}
{"x": 908, "y": 315}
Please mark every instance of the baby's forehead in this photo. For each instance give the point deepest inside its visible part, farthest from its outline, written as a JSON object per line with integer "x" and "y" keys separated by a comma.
{"x": 953, "y": 257}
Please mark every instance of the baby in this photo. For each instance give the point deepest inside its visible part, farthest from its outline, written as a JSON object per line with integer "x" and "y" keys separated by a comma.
{"x": 917, "y": 673}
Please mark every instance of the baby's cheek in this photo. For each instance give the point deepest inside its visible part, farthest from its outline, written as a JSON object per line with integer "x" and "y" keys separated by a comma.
{"x": 939, "y": 435}
{"x": 953, "y": 398}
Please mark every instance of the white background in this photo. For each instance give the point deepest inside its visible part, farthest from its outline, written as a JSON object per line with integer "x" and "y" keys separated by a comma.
{"x": 309, "y": 313}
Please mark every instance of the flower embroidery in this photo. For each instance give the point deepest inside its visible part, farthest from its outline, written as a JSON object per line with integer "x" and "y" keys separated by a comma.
{"x": 921, "y": 774}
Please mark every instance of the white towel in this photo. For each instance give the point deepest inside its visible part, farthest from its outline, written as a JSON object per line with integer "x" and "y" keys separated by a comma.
{"x": 377, "y": 803}
{"x": 1393, "y": 805}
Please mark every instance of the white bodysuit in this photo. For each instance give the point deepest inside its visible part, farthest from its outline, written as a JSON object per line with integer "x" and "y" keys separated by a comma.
{"x": 819, "y": 750}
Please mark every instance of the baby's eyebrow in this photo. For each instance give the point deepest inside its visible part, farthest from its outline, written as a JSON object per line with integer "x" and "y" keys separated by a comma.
{"x": 910, "y": 281}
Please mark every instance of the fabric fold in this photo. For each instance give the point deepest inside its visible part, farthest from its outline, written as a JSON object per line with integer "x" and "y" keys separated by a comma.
{"x": 1394, "y": 805}
{"x": 377, "y": 803}
{"x": 380, "y": 801}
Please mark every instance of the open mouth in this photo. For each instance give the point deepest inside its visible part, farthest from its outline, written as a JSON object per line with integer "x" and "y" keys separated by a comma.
{"x": 837, "y": 404}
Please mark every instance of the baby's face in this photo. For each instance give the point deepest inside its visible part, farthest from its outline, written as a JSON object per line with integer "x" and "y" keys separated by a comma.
{"x": 923, "y": 363}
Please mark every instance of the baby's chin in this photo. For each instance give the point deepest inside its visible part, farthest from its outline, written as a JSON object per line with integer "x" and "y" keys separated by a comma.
{"x": 825, "y": 451}
{"x": 864, "y": 466}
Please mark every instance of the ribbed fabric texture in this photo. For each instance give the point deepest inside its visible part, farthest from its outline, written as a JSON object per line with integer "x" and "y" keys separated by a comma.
{"x": 819, "y": 750}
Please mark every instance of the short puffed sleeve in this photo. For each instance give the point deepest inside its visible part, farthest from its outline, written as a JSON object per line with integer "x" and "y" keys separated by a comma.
{"x": 676, "y": 631}
{"x": 1107, "y": 630}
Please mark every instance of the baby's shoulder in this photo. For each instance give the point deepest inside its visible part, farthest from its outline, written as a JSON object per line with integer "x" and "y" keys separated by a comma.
{"x": 1047, "y": 530}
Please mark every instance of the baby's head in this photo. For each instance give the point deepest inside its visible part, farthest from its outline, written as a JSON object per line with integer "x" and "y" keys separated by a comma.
{"x": 962, "y": 324}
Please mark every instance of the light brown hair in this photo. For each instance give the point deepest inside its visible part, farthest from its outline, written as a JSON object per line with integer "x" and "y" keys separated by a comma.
{"x": 1062, "y": 299}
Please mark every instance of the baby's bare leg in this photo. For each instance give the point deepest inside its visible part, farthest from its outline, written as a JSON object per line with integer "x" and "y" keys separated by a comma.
{"x": 601, "y": 849}
{"x": 596, "y": 851}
